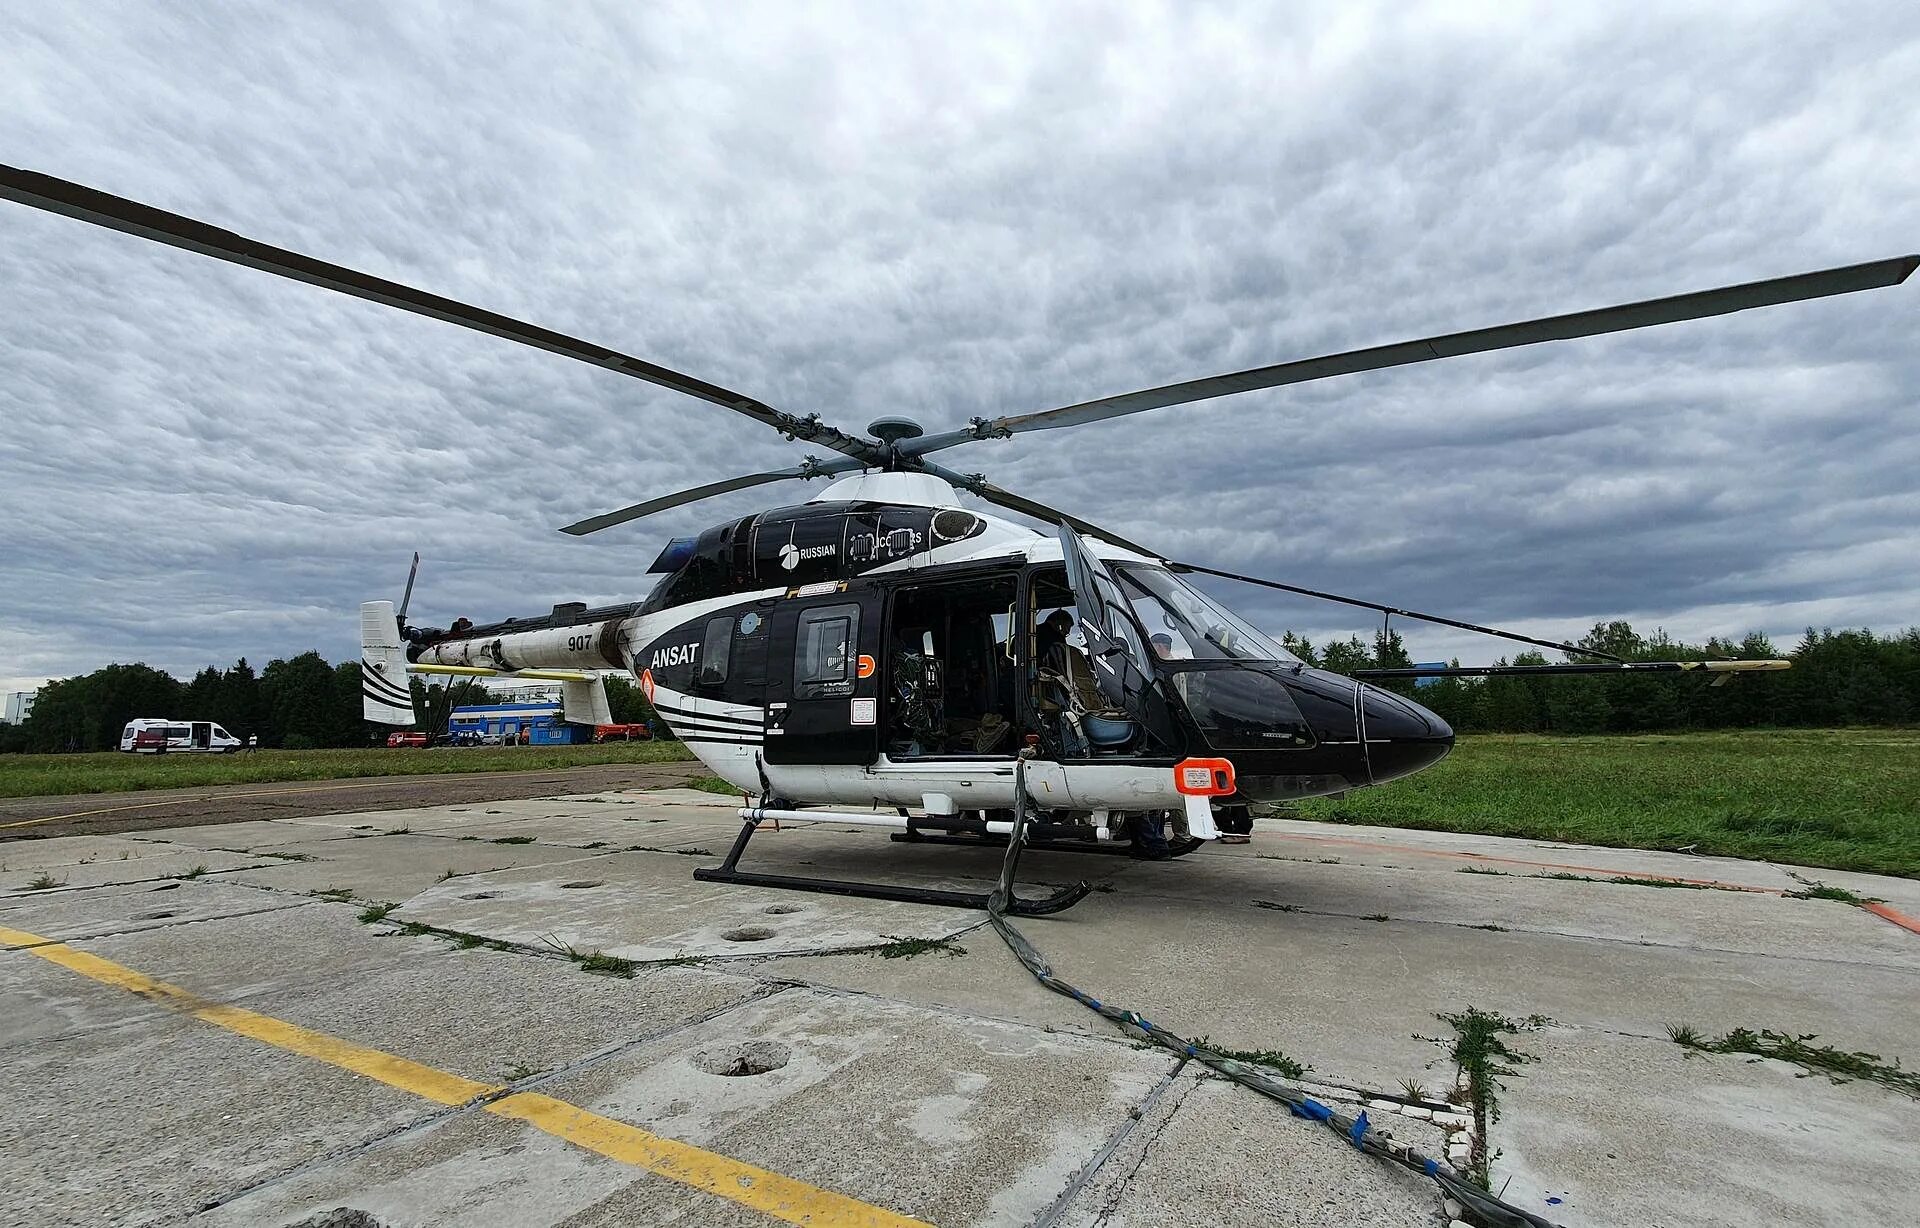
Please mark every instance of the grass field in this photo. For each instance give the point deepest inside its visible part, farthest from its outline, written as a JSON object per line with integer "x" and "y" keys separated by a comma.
{"x": 112, "y": 772}
{"x": 1844, "y": 799}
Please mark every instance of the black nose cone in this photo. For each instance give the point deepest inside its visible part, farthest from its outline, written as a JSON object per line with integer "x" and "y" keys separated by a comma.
{"x": 1402, "y": 737}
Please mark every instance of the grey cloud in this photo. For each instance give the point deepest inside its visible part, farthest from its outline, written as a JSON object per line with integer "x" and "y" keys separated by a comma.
{"x": 881, "y": 210}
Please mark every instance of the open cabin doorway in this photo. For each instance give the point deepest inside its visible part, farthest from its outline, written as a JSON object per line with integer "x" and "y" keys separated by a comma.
{"x": 952, "y": 675}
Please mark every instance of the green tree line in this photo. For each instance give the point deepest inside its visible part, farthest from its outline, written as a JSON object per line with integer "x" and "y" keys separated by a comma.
{"x": 1838, "y": 678}
{"x": 299, "y": 703}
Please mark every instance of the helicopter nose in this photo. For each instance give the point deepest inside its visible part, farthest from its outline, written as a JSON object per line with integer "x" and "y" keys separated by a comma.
{"x": 1402, "y": 737}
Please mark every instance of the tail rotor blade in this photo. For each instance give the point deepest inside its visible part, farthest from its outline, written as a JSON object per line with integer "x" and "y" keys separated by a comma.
{"x": 406, "y": 598}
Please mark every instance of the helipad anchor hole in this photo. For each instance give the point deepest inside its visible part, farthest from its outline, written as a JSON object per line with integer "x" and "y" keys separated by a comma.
{"x": 582, "y": 884}
{"x": 747, "y": 933}
{"x": 738, "y": 1061}
{"x": 781, "y": 910}
{"x": 481, "y": 895}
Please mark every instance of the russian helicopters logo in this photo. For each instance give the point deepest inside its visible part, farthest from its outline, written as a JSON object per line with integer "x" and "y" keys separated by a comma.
{"x": 790, "y": 554}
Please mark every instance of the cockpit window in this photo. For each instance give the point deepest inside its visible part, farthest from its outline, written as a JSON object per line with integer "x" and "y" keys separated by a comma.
{"x": 1182, "y": 623}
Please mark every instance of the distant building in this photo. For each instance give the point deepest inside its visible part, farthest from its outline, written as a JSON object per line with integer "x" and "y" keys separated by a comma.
{"x": 1428, "y": 665}
{"x": 539, "y": 724}
{"x": 20, "y": 706}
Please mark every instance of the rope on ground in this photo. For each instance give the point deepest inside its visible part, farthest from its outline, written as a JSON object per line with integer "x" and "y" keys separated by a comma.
{"x": 1356, "y": 1131}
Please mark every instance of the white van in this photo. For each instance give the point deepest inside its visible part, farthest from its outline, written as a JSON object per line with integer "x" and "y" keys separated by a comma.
{"x": 154, "y": 737}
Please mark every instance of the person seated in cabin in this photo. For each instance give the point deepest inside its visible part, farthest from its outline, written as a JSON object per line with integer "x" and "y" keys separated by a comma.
{"x": 1067, "y": 692}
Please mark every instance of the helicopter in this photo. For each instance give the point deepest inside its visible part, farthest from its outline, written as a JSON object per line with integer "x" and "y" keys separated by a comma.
{"x": 880, "y": 646}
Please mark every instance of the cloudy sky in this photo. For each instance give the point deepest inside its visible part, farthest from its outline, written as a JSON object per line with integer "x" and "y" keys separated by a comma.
{"x": 947, "y": 211}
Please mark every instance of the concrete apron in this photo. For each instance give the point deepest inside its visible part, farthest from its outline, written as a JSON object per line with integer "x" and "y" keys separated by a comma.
{"x": 940, "y": 1082}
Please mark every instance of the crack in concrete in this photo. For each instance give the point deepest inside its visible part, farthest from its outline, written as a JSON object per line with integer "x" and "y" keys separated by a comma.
{"x": 1138, "y": 1114}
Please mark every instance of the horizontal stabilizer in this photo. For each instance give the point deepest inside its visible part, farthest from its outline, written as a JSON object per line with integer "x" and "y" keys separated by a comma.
{"x": 585, "y": 703}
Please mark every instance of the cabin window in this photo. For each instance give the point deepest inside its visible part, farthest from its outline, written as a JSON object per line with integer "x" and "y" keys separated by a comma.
{"x": 715, "y": 650}
{"x": 824, "y": 650}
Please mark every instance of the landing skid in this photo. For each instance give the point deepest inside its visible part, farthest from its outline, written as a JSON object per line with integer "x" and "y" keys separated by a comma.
{"x": 729, "y": 871}
{"x": 1176, "y": 848}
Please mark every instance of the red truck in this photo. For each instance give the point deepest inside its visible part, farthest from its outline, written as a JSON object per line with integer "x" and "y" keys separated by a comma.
{"x": 622, "y": 733}
{"x": 406, "y": 737}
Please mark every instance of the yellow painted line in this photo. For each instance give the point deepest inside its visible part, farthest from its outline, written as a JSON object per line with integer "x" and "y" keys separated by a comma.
{"x": 215, "y": 797}
{"x": 783, "y": 1198}
{"x": 780, "y": 1197}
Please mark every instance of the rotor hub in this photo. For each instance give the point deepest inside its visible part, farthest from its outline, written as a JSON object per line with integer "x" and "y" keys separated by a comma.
{"x": 893, "y": 430}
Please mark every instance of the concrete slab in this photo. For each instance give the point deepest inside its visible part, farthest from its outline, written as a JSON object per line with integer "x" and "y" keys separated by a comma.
{"x": 251, "y": 836}
{"x": 947, "y": 1120}
{"x": 1422, "y": 849}
{"x": 647, "y": 906}
{"x": 66, "y": 915}
{"x": 480, "y": 1013}
{"x": 1630, "y": 1130}
{"x": 393, "y": 868}
{"x": 1209, "y": 1152}
{"x": 61, "y": 851}
{"x": 1681, "y": 917}
{"x": 183, "y": 863}
{"x": 689, "y": 797}
{"x": 582, "y": 831}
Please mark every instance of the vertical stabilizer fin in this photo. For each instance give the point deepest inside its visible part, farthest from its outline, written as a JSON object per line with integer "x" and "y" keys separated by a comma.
{"x": 385, "y": 696}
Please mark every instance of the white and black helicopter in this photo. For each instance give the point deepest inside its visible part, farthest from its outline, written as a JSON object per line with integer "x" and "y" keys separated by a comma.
{"x": 883, "y": 647}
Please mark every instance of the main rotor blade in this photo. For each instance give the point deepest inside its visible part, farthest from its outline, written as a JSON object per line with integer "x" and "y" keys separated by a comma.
{"x": 1751, "y": 666}
{"x": 131, "y": 217}
{"x": 1390, "y": 610}
{"x": 1039, "y": 511}
{"x": 1845, "y": 280}
{"x": 594, "y": 524}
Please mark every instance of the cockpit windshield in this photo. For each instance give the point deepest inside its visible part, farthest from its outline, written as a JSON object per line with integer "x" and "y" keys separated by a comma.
{"x": 1183, "y": 623}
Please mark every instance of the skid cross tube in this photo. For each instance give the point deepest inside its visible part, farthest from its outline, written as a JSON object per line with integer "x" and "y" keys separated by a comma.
{"x": 728, "y": 871}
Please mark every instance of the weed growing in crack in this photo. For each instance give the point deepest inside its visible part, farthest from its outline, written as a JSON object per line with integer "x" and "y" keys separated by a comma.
{"x": 1837, "y": 1065}
{"x": 337, "y": 895}
{"x": 1415, "y": 1090}
{"x": 284, "y": 856}
{"x": 1482, "y": 870}
{"x": 376, "y": 912}
{"x": 45, "y": 882}
{"x": 520, "y": 1070}
{"x": 513, "y": 840}
{"x": 195, "y": 872}
{"x": 1478, "y": 1048}
{"x": 1273, "y": 1059}
{"x": 1821, "y": 891}
{"x": 907, "y": 948}
{"x": 1631, "y": 880}
{"x": 601, "y": 964}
